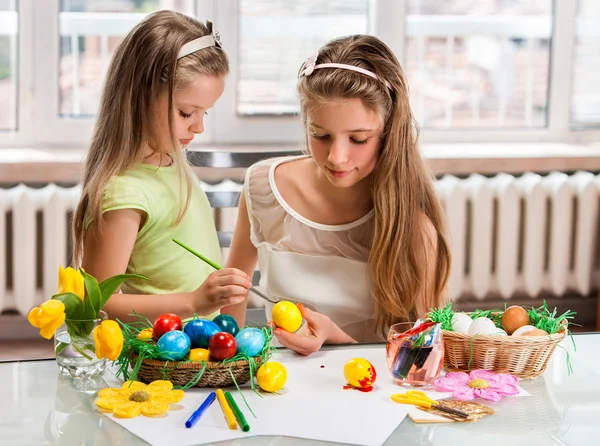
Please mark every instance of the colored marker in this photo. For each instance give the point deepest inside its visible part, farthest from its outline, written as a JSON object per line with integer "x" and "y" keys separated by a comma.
{"x": 226, "y": 410}
{"x": 237, "y": 412}
{"x": 198, "y": 413}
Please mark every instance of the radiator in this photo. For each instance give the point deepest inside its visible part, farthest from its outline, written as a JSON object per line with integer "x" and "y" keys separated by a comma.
{"x": 509, "y": 236}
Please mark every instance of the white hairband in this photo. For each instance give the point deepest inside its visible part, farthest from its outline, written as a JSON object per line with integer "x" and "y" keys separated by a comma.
{"x": 311, "y": 65}
{"x": 212, "y": 39}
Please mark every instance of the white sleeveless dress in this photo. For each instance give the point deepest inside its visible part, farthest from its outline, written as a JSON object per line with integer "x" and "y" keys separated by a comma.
{"x": 322, "y": 266}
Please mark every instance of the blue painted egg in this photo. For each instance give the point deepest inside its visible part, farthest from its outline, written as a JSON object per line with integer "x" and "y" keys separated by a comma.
{"x": 250, "y": 341}
{"x": 200, "y": 331}
{"x": 227, "y": 323}
{"x": 173, "y": 345}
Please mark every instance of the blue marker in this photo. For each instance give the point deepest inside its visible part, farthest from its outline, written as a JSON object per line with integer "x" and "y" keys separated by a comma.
{"x": 198, "y": 413}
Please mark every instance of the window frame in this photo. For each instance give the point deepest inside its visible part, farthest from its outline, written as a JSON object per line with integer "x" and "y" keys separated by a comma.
{"x": 40, "y": 125}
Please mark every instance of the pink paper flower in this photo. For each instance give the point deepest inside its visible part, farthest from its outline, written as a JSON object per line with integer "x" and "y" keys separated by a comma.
{"x": 478, "y": 384}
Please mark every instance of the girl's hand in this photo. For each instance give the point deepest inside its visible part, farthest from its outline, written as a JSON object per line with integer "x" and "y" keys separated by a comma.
{"x": 221, "y": 288}
{"x": 310, "y": 338}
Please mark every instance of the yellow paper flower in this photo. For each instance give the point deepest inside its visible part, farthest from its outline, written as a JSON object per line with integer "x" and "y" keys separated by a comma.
{"x": 47, "y": 317}
{"x": 70, "y": 281}
{"x": 135, "y": 398}
{"x": 108, "y": 338}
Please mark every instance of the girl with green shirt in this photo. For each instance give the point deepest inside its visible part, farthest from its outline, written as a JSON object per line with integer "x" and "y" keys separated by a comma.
{"x": 138, "y": 191}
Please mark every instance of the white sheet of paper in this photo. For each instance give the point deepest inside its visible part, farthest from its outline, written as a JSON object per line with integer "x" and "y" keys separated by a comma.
{"x": 313, "y": 405}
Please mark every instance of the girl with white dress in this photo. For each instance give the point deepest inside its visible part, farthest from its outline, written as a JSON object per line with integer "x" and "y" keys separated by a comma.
{"x": 353, "y": 231}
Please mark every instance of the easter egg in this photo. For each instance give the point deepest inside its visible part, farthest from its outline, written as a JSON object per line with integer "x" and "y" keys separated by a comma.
{"x": 173, "y": 345}
{"x": 165, "y": 323}
{"x": 250, "y": 341}
{"x": 199, "y": 354}
{"x": 522, "y": 330}
{"x": 200, "y": 331}
{"x": 227, "y": 323}
{"x": 145, "y": 335}
{"x": 536, "y": 332}
{"x": 483, "y": 325}
{"x": 271, "y": 376}
{"x": 461, "y": 323}
{"x": 513, "y": 318}
{"x": 222, "y": 346}
{"x": 287, "y": 315}
{"x": 360, "y": 373}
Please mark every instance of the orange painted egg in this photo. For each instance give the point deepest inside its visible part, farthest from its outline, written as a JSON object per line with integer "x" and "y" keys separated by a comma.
{"x": 513, "y": 318}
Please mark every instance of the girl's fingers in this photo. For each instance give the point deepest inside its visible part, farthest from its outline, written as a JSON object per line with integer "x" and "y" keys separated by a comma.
{"x": 232, "y": 272}
{"x": 233, "y": 279}
{"x": 301, "y": 344}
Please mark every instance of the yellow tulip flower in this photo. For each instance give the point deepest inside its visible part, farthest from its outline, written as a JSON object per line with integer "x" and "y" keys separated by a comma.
{"x": 47, "y": 317}
{"x": 134, "y": 398}
{"x": 108, "y": 338}
{"x": 70, "y": 281}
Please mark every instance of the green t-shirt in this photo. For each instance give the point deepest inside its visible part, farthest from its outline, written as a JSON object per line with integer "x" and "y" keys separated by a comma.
{"x": 171, "y": 269}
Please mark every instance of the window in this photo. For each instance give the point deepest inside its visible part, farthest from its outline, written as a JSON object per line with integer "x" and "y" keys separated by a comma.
{"x": 478, "y": 70}
{"x": 478, "y": 63}
{"x": 89, "y": 32}
{"x": 585, "y": 107}
{"x": 275, "y": 37}
{"x": 9, "y": 25}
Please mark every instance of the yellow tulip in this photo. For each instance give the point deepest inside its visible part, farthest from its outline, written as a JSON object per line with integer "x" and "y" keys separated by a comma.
{"x": 109, "y": 340}
{"x": 47, "y": 317}
{"x": 70, "y": 281}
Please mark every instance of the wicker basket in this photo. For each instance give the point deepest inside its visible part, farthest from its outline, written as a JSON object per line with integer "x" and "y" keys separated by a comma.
{"x": 216, "y": 374}
{"x": 522, "y": 356}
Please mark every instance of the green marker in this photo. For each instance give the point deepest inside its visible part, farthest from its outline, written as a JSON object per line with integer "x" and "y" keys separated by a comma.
{"x": 237, "y": 412}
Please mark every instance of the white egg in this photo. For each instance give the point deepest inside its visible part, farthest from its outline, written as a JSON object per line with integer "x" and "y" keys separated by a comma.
{"x": 461, "y": 322}
{"x": 482, "y": 325}
{"x": 499, "y": 332}
{"x": 522, "y": 330}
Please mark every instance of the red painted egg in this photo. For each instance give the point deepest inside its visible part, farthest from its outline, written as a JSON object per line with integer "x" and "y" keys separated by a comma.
{"x": 222, "y": 346}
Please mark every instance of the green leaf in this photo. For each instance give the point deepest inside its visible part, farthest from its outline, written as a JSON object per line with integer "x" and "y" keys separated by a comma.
{"x": 73, "y": 305}
{"x": 93, "y": 299}
{"x": 60, "y": 347}
{"x": 110, "y": 285}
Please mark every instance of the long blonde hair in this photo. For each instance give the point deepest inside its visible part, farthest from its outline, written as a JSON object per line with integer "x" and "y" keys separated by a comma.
{"x": 144, "y": 67}
{"x": 401, "y": 186}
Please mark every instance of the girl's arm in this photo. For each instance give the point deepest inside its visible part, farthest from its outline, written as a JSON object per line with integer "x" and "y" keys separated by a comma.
{"x": 109, "y": 255}
{"x": 242, "y": 255}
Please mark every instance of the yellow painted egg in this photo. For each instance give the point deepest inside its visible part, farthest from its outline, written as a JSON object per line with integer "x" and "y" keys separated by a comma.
{"x": 513, "y": 318}
{"x": 287, "y": 315}
{"x": 199, "y": 354}
{"x": 360, "y": 373}
{"x": 145, "y": 334}
{"x": 271, "y": 376}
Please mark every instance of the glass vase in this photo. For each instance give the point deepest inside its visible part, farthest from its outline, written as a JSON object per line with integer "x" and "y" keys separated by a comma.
{"x": 75, "y": 349}
{"x": 413, "y": 364}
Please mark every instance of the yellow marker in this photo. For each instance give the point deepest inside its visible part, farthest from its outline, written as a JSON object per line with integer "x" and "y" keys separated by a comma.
{"x": 226, "y": 410}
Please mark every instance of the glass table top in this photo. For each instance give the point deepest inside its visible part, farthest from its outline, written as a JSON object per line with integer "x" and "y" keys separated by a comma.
{"x": 40, "y": 407}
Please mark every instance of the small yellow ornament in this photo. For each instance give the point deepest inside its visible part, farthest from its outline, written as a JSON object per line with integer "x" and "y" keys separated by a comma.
{"x": 271, "y": 376}
{"x": 287, "y": 315}
{"x": 145, "y": 334}
{"x": 199, "y": 354}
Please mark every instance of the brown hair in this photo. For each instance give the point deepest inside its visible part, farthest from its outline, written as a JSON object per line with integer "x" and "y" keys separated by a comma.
{"x": 401, "y": 186}
{"x": 144, "y": 67}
